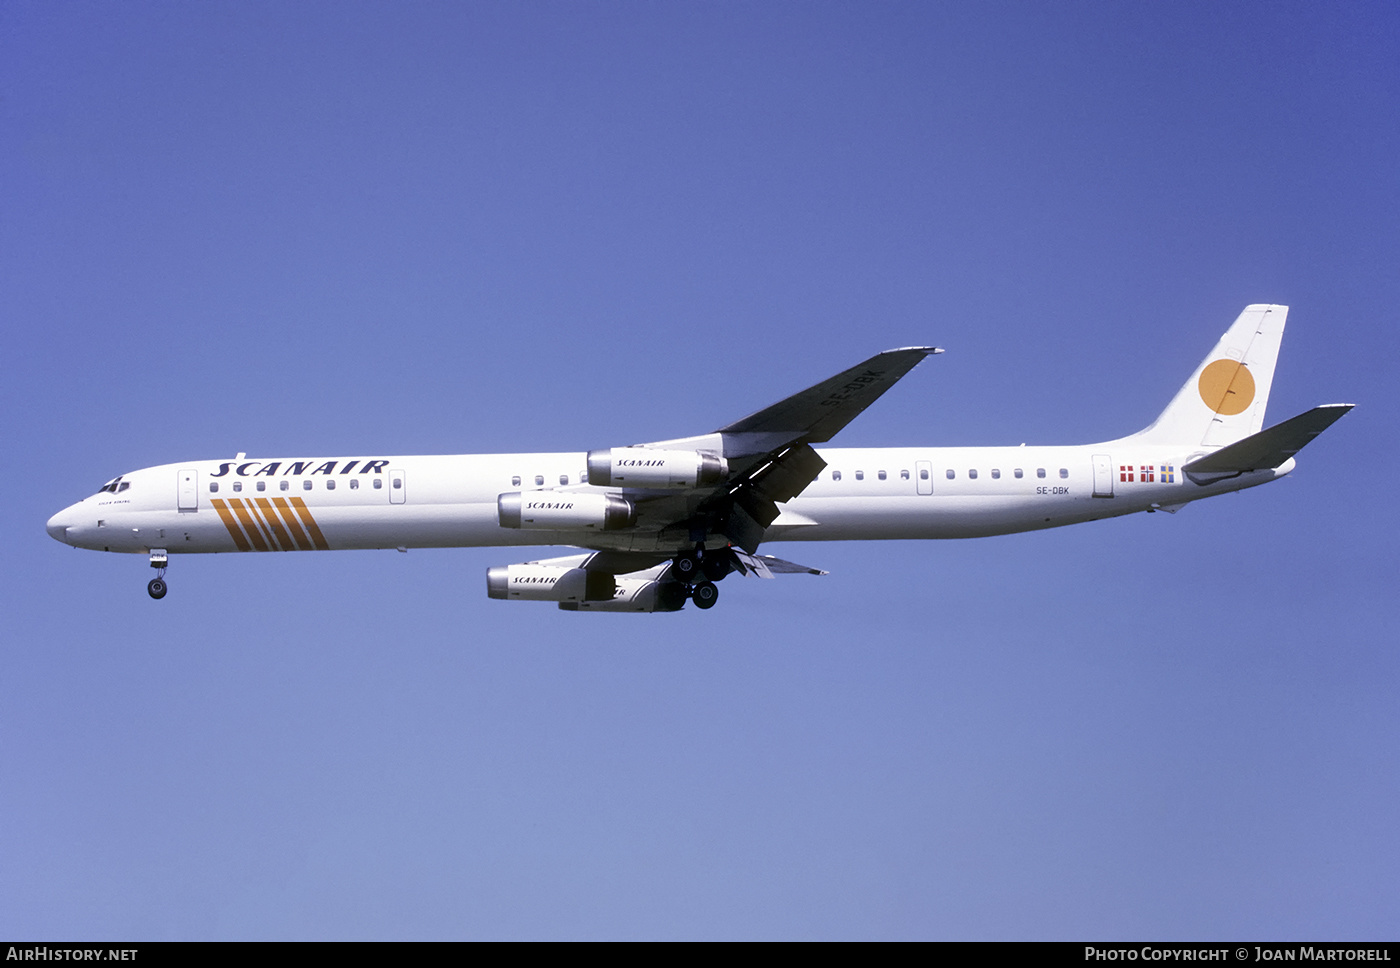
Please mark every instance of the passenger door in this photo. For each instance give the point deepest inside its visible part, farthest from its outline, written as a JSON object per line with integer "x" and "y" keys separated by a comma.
{"x": 1103, "y": 475}
{"x": 188, "y": 489}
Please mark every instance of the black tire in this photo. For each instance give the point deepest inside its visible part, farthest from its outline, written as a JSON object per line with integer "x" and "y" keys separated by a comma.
{"x": 715, "y": 566}
{"x": 685, "y": 568}
{"x": 705, "y": 595}
{"x": 156, "y": 589}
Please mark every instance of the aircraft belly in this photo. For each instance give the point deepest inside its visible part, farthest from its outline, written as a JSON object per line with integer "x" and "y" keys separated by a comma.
{"x": 924, "y": 516}
{"x": 286, "y": 527}
{"x": 417, "y": 526}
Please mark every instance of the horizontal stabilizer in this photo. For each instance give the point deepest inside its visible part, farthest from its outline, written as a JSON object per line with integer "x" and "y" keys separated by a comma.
{"x": 1269, "y": 448}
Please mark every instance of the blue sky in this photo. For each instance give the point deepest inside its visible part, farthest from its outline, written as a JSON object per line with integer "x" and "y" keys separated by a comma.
{"x": 444, "y": 228}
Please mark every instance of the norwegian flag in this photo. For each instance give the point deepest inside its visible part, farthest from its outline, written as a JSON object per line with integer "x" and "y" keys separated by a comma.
{"x": 1146, "y": 471}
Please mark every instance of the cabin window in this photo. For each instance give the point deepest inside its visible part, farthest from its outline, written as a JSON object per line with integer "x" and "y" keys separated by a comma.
{"x": 923, "y": 473}
{"x": 836, "y": 475}
{"x": 583, "y": 477}
{"x": 996, "y": 474}
{"x": 306, "y": 484}
{"x": 539, "y": 480}
{"x": 213, "y": 487}
{"x": 283, "y": 485}
{"x": 860, "y": 475}
{"x": 881, "y": 475}
{"x": 515, "y": 480}
{"x": 330, "y": 484}
{"x": 563, "y": 480}
{"x": 1040, "y": 472}
{"x": 398, "y": 483}
{"x": 238, "y": 485}
{"x": 378, "y": 483}
{"x": 1064, "y": 472}
{"x": 1019, "y": 473}
{"x": 904, "y": 475}
{"x": 354, "y": 483}
{"x": 262, "y": 485}
{"x": 951, "y": 474}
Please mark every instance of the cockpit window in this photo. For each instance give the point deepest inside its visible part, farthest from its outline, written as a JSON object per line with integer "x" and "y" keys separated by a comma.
{"x": 113, "y": 486}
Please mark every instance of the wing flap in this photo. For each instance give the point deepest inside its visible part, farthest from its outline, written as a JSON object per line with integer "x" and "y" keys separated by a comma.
{"x": 766, "y": 566}
{"x": 749, "y": 504}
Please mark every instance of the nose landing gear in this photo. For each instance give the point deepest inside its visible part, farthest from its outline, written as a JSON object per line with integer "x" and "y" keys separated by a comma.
{"x": 156, "y": 587}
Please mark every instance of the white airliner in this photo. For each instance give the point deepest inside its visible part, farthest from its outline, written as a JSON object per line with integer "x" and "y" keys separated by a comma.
{"x": 658, "y": 524}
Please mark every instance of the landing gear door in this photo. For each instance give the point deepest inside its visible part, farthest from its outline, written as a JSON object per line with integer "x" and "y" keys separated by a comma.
{"x": 1103, "y": 475}
{"x": 188, "y": 489}
{"x": 396, "y": 487}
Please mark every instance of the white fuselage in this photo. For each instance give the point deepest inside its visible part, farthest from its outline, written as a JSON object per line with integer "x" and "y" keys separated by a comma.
{"x": 451, "y": 501}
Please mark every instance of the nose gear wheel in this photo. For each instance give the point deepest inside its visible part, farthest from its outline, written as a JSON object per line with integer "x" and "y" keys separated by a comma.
{"x": 156, "y": 587}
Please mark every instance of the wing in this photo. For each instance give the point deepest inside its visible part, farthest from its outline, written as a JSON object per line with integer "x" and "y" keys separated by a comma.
{"x": 767, "y": 458}
{"x": 818, "y": 413}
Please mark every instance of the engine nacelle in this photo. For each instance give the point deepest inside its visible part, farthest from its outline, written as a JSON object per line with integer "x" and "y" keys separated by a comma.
{"x": 556, "y": 511}
{"x": 635, "y": 595}
{"x": 646, "y": 467}
{"x": 533, "y": 582}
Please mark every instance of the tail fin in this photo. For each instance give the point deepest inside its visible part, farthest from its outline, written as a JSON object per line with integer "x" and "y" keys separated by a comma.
{"x": 1225, "y": 398}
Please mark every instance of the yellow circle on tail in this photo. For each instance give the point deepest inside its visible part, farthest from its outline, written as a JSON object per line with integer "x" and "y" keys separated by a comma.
{"x": 1227, "y": 387}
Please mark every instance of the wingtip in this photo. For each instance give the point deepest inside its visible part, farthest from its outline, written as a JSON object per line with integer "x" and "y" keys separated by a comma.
{"x": 926, "y": 350}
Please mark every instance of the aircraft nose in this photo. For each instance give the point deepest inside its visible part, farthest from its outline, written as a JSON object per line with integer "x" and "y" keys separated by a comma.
{"x": 58, "y": 525}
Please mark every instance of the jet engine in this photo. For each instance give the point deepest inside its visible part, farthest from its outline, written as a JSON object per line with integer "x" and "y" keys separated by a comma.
{"x": 635, "y": 595}
{"x": 559, "y": 511}
{"x": 578, "y": 588}
{"x": 646, "y": 467}
{"x": 538, "y": 582}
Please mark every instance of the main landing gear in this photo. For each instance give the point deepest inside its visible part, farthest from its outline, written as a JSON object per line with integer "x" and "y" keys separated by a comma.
{"x": 156, "y": 588}
{"x": 698, "y": 572}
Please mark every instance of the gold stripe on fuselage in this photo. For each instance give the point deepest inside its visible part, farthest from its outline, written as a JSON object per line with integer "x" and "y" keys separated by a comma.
{"x": 255, "y": 525}
{"x": 303, "y": 542}
{"x": 251, "y": 529}
{"x": 270, "y": 516}
{"x": 234, "y": 531}
{"x": 310, "y": 522}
